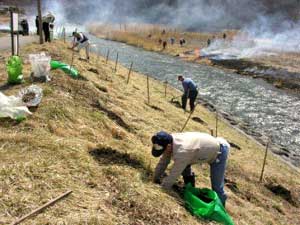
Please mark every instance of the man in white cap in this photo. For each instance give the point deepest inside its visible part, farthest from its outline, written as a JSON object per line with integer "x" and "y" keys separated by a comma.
{"x": 187, "y": 149}
{"x": 47, "y": 20}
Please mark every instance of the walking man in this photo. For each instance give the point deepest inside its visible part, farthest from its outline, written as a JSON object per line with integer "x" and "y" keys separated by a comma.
{"x": 190, "y": 92}
{"x": 187, "y": 149}
{"x": 81, "y": 41}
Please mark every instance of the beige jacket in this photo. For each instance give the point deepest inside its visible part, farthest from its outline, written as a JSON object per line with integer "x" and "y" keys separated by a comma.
{"x": 188, "y": 148}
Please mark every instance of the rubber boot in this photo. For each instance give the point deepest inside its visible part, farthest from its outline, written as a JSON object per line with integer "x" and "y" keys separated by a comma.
{"x": 189, "y": 179}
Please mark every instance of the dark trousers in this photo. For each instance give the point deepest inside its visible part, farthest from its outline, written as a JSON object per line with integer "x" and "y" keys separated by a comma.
{"x": 192, "y": 97}
{"x": 188, "y": 176}
{"x": 46, "y": 31}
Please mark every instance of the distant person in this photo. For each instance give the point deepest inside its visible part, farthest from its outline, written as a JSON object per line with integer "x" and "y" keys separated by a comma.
{"x": 159, "y": 41}
{"x": 37, "y": 25}
{"x": 25, "y": 27}
{"x": 182, "y": 42}
{"x": 164, "y": 44}
{"x": 190, "y": 92}
{"x": 172, "y": 40}
{"x": 224, "y": 36}
{"x": 149, "y": 36}
{"x": 163, "y": 32}
{"x": 187, "y": 149}
{"x": 47, "y": 20}
{"x": 81, "y": 41}
{"x": 208, "y": 42}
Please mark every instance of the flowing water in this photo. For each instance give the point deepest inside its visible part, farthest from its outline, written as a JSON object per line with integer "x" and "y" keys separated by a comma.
{"x": 267, "y": 110}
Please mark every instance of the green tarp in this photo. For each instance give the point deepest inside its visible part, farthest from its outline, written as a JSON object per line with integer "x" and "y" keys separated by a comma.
{"x": 205, "y": 203}
{"x": 64, "y": 67}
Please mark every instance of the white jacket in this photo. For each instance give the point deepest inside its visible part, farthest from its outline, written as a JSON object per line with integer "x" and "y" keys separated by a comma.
{"x": 188, "y": 148}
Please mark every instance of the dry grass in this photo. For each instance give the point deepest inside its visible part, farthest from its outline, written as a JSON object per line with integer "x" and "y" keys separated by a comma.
{"x": 93, "y": 137}
{"x": 137, "y": 35}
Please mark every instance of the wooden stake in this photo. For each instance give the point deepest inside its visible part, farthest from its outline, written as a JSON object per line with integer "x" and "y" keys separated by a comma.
{"x": 148, "y": 90}
{"x": 166, "y": 86}
{"x": 188, "y": 119}
{"x": 40, "y": 209}
{"x": 116, "y": 62}
{"x": 264, "y": 163}
{"x": 129, "y": 72}
{"x": 39, "y": 9}
{"x": 107, "y": 56}
{"x": 64, "y": 32}
{"x": 217, "y": 120}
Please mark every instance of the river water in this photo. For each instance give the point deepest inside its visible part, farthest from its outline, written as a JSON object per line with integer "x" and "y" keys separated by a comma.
{"x": 268, "y": 111}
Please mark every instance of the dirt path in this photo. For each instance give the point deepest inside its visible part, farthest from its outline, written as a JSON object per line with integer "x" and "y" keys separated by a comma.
{"x": 5, "y": 42}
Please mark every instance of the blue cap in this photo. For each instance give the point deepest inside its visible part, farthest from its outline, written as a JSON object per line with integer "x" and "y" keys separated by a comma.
{"x": 160, "y": 142}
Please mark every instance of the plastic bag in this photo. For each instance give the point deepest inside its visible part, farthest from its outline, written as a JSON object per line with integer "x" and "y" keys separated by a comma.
{"x": 31, "y": 96}
{"x": 64, "y": 67}
{"x": 205, "y": 203}
{"x": 14, "y": 69}
{"x": 40, "y": 64}
{"x": 13, "y": 107}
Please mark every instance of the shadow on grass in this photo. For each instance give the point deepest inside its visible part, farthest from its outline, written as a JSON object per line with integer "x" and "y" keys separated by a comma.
{"x": 112, "y": 115}
{"x": 110, "y": 156}
{"x": 5, "y": 87}
{"x": 155, "y": 107}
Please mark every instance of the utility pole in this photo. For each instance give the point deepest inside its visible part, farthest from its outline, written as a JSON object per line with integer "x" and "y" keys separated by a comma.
{"x": 39, "y": 8}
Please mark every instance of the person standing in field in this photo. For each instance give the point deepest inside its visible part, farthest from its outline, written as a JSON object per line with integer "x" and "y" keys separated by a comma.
{"x": 46, "y": 26}
{"x": 190, "y": 92}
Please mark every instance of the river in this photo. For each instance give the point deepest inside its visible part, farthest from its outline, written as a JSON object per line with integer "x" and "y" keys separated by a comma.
{"x": 268, "y": 111}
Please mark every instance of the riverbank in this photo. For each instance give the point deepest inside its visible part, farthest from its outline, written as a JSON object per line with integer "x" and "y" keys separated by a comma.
{"x": 281, "y": 70}
{"x": 93, "y": 136}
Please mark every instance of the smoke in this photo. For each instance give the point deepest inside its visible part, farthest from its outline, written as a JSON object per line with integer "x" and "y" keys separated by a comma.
{"x": 267, "y": 35}
{"x": 269, "y": 25}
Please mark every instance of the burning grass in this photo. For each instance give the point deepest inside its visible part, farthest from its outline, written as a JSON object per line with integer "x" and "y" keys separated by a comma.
{"x": 92, "y": 136}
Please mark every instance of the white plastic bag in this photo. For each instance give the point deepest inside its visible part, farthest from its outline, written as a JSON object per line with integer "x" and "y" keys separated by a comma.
{"x": 40, "y": 64}
{"x": 11, "y": 106}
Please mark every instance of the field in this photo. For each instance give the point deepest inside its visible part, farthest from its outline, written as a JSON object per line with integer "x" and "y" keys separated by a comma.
{"x": 92, "y": 136}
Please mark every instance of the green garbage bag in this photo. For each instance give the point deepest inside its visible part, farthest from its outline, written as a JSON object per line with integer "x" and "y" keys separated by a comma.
{"x": 14, "y": 69}
{"x": 205, "y": 203}
{"x": 64, "y": 67}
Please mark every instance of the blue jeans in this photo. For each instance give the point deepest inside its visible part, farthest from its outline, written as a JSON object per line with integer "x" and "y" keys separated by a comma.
{"x": 217, "y": 173}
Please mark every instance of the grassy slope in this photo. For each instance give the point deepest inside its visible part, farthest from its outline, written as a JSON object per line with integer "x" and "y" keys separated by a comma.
{"x": 97, "y": 144}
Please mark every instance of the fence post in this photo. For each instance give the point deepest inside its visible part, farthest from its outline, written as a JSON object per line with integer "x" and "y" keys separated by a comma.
{"x": 264, "y": 163}
{"x": 148, "y": 90}
{"x": 166, "y": 86}
{"x": 64, "y": 30}
{"x": 217, "y": 120}
{"x": 129, "y": 72}
{"x": 107, "y": 56}
{"x": 116, "y": 62}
